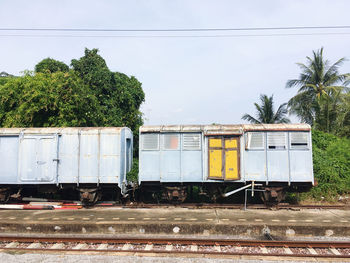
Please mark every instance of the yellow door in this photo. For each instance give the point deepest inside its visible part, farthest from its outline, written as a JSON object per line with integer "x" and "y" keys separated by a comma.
{"x": 231, "y": 159}
{"x": 223, "y": 158}
{"x": 215, "y": 158}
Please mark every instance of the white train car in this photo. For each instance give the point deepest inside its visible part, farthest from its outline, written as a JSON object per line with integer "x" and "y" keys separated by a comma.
{"x": 276, "y": 156}
{"x": 83, "y": 159}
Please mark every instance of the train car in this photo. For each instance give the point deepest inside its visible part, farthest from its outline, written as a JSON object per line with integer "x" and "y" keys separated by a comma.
{"x": 275, "y": 157}
{"x": 47, "y": 159}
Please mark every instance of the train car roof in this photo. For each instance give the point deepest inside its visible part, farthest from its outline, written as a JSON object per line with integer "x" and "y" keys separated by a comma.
{"x": 60, "y": 130}
{"x": 226, "y": 129}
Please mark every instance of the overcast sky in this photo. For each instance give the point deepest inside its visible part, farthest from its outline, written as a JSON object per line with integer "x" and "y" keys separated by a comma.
{"x": 186, "y": 80}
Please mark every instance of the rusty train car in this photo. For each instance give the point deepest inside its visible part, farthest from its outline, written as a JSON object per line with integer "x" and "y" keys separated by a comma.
{"x": 275, "y": 157}
{"x": 83, "y": 160}
{"x": 271, "y": 158}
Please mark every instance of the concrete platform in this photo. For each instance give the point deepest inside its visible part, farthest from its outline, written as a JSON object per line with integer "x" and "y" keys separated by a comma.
{"x": 178, "y": 221}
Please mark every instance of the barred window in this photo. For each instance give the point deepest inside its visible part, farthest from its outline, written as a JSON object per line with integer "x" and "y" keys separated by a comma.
{"x": 170, "y": 141}
{"x": 191, "y": 142}
{"x": 150, "y": 141}
{"x": 276, "y": 140}
{"x": 255, "y": 141}
{"x": 299, "y": 140}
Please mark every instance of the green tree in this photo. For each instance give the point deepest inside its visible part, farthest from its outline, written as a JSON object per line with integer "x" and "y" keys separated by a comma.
{"x": 50, "y": 65}
{"x": 4, "y": 77}
{"x": 320, "y": 87}
{"x": 120, "y": 96}
{"x": 266, "y": 113}
{"x": 342, "y": 123}
{"x": 47, "y": 100}
{"x": 87, "y": 95}
{"x": 5, "y": 74}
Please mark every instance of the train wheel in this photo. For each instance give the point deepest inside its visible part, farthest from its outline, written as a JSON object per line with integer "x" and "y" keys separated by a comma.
{"x": 4, "y": 195}
{"x": 89, "y": 196}
{"x": 273, "y": 195}
{"x": 175, "y": 194}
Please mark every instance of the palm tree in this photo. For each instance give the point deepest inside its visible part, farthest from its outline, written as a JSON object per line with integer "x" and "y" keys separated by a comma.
{"x": 319, "y": 83}
{"x": 265, "y": 112}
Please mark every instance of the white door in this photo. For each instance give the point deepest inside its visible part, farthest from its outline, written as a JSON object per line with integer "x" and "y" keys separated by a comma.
{"x": 38, "y": 158}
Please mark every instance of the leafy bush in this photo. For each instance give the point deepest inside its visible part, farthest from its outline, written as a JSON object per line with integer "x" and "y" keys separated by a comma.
{"x": 331, "y": 160}
{"x": 133, "y": 175}
{"x": 47, "y": 100}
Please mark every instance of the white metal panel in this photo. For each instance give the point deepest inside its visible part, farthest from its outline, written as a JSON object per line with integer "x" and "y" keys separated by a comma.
{"x": 149, "y": 166}
{"x": 170, "y": 141}
{"x": 277, "y": 166}
{"x": 68, "y": 168}
{"x": 38, "y": 158}
{"x": 109, "y": 158}
{"x": 255, "y": 141}
{"x": 89, "y": 158}
{"x": 301, "y": 166}
{"x": 299, "y": 140}
{"x": 8, "y": 158}
{"x": 150, "y": 141}
{"x": 276, "y": 140}
{"x": 191, "y": 141}
{"x": 170, "y": 166}
{"x": 191, "y": 166}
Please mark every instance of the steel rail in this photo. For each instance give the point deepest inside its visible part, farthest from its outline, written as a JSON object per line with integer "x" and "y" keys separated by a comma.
{"x": 180, "y": 241}
{"x": 299, "y": 255}
{"x": 200, "y": 205}
{"x": 228, "y": 206}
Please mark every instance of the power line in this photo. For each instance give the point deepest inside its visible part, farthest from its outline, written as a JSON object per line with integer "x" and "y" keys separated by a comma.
{"x": 177, "y": 36}
{"x": 176, "y": 29}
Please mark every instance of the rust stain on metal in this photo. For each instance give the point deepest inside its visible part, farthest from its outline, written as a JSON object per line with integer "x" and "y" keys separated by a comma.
{"x": 230, "y": 129}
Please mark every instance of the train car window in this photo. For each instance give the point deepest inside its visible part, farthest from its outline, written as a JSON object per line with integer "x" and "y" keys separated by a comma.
{"x": 276, "y": 140}
{"x": 170, "y": 141}
{"x": 191, "y": 142}
{"x": 255, "y": 141}
{"x": 299, "y": 140}
{"x": 150, "y": 142}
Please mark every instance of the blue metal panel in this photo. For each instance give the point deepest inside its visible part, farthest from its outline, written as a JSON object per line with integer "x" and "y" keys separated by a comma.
{"x": 149, "y": 166}
{"x": 110, "y": 157}
{"x": 38, "y": 159}
{"x": 8, "y": 159}
{"x": 127, "y": 141}
{"x": 89, "y": 157}
{"x": 277, "y": 165}
{"x": 68, "y": 166}
{"x": 301, "y": 166}
{"x": 191, "y": 166}
{"x": 254, "y": 165}
{"x": 170, "y": 166}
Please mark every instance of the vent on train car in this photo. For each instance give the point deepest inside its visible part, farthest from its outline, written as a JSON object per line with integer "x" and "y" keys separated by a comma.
{"x": 299, "y": 140}
{"x": 276, "y": 140}
{"x": 150, "y": 142}
{"x": 170, "y": 141}
{"x": 255, "y": 141}
{"x": 191, "y": 142}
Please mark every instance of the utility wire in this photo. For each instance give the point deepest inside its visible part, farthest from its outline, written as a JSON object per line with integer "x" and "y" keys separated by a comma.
{"x": 176, "y": 29}
{"x": 177, "y": 36}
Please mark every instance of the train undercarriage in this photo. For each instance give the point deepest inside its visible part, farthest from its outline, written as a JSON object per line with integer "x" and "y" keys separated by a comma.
{"x": 152, "y": 192}
{"x": 88, "y": 194}
{"x": 270, "y": 194}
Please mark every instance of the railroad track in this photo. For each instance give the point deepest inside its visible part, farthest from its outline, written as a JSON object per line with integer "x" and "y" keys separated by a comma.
{"x": 315, "y": 249}
{"x": 70, "y": 204}
{"x": 227, "y": 206}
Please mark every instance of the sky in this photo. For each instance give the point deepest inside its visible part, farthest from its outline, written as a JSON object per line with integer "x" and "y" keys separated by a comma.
{"x": 186, "y": 80}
